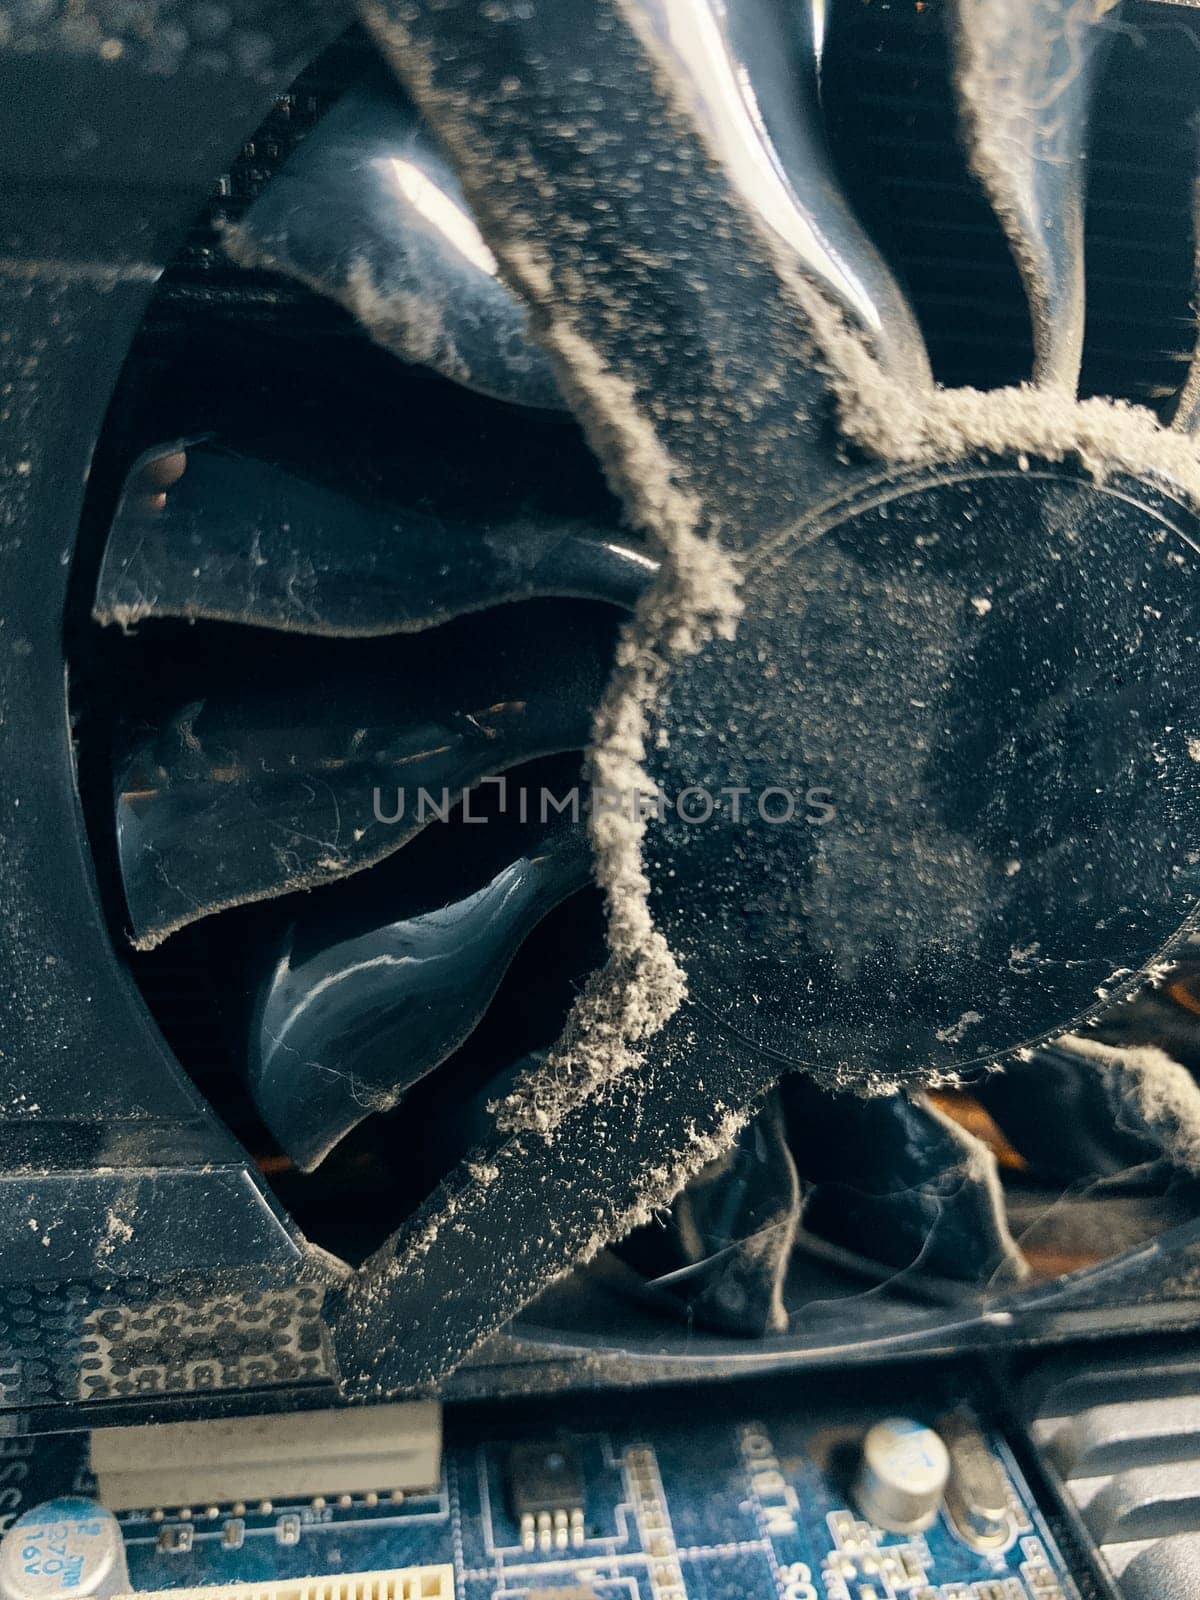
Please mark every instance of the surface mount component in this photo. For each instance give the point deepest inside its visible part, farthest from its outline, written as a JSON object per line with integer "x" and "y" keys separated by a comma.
{"x": 546, "y": 1493}
{"x": 575, "y": 1592}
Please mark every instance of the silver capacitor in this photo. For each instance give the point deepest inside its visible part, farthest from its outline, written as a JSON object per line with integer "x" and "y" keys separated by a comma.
{"x": 63, "y": 1550}
{"x": 902, "y": 1475}
{"x": 977, "y": 1496}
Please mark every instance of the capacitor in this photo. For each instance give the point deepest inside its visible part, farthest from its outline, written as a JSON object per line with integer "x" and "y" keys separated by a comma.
{"x": 977, "y": 1496}
{"x": 63, "y": 1550}
{"x": 902, "y": 1475}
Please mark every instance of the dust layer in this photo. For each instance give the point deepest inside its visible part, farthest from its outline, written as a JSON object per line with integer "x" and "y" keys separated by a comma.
{"x": 369, "y": 1324}
{"x": 694, "y": 599}
{"x": 406, "y": 323}
{"x": 898, "y": 423}
{"x": 1024, "y": 77}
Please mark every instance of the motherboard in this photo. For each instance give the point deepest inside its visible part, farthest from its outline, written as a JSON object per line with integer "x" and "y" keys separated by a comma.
{"x": 782, "y": 1504}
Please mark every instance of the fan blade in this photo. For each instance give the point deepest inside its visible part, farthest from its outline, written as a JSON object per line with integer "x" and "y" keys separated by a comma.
{"x": 323, "y": 765}
{"x": 1088, "y": 1109}
{"x": 232, "y": 539}
{"x": 723, "y": 1255}
{"x": 641, "y": 253}
{"x": 526, "y": 1206}
{"x": 358, "y": 1008}
{"x": 368, "y": 212}
{"x": 752, "y": 67}
{"x": 896, "y": 1181}
{"x": 1026, "y": 72}
{"x": 1063, "y": 1113}
{"x": 1186, "y": 415}
{"x": 1164, "y": 1015}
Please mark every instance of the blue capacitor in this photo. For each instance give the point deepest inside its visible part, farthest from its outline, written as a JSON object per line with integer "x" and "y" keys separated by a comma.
{"x": 63, "y": 1549}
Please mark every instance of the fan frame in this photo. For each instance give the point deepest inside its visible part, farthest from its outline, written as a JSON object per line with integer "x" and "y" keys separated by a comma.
{"x": 132, "y": 1224}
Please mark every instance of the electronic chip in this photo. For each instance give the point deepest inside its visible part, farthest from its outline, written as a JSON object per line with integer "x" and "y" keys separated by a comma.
{"x": 545, "y": 1492}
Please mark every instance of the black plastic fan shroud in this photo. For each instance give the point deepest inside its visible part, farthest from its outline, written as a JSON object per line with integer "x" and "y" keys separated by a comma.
{"x": 984, "y": 670}
{"x": 948, "y": 753}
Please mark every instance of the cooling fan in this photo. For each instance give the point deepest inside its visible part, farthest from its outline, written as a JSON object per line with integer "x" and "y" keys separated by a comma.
{"x": 892, "y": 788}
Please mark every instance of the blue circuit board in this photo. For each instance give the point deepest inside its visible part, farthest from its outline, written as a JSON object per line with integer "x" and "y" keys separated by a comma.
{"x": 750, "y": 1507}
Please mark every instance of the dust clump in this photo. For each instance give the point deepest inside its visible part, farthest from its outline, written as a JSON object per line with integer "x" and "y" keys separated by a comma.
{"x": 1022, "y": 81}
{"x": 118, "y": 1226}
{"x": 661, "y": 1184}
{"x": 407, "y": 324}
{"x": 1160, "y": 1097}
{"x": 894, "y": 422}
{"x": 957, "y": 1030}
{"x": 694, "y": 599}
{"x": 979, "y": 1166}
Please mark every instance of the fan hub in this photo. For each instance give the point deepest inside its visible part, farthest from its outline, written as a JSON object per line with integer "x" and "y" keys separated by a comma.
{"x": 938, "y": 799}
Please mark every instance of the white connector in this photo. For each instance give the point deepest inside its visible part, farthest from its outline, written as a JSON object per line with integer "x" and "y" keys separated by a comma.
{"x": 289, "y": 1457}
{"x": 397, "y": 1583}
